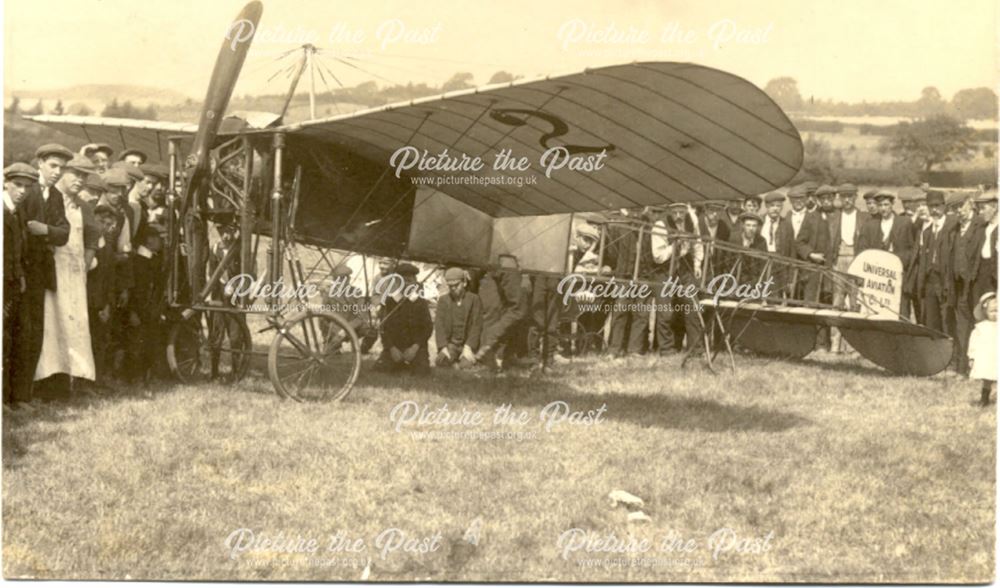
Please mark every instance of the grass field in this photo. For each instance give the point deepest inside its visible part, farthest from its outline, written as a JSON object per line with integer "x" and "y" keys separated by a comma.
{"x": 825, "y": 470}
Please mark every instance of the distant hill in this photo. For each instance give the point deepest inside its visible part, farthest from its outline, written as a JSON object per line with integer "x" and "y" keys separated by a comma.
{"x": 94, "y": 96}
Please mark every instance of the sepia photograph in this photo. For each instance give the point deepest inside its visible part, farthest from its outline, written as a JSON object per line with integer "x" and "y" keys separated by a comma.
{"x": 571, "y": 292}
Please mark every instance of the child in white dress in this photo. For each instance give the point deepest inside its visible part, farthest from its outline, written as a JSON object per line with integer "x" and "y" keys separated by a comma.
{"x": 983, "y": 345}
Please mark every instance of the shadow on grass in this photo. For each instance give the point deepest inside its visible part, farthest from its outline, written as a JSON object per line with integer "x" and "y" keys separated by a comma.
{"x": 533, "y": 391}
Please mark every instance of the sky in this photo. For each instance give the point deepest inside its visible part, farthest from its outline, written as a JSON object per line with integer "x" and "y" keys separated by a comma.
{"x": 846, "y": 50}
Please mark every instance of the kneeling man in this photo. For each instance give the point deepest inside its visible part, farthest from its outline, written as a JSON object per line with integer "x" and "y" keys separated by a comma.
{"x": 459, "y": 321}
{"x": 406, "y": 325}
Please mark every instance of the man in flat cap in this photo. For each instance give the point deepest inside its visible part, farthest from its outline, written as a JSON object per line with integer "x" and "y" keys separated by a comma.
{"x": 18, "y": 179}
{"x": 115, "y": 198}
{"x": 934, "y": 269}
{"x": 677, "y": 316}
{"x": 776, "y": 229}
{"x": 407, "y": 325}
{"x": 93, "y": 188}
{"x": 749, "y": 236}
{"x": 133, "y": 157}
{"x": 871, "y": 205}
{"x": 846, "y": 226}
{"x": 458, "y": 323}
{"x": 731, "y": 219}
{"x": 44, "y": 215}
{"x": 889, "y": 232}
{"x": 752, "y": 204}
{"x": 67, "y": 352}
{"x": 100, "y": 155}
{"x": 811, "y": 237}
{"x": 102, "y": 292}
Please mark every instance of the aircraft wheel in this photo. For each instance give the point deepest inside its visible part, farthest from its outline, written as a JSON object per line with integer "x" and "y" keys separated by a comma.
{"x": 209, "y": 346}
{"x": 314, "y": 356}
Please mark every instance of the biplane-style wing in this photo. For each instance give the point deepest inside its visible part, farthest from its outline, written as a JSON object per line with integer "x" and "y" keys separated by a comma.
{"x": 150, "y": 136}
{"x": 671, "y": 131}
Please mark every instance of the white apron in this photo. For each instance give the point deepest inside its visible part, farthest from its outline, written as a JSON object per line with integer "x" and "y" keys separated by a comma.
{"x": 66, "y": 345}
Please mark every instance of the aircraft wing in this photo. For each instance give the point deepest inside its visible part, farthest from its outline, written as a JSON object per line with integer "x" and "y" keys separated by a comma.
{"x": 148, "y": 135}
{"x": 672, "y": 132}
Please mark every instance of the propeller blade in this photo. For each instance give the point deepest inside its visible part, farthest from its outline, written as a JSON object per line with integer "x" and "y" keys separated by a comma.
{"x": 228, "y": 64}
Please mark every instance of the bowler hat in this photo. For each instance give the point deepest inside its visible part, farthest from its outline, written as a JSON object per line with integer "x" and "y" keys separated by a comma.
{"x": 935, "y": 198}
{"x": 407, "y": 269}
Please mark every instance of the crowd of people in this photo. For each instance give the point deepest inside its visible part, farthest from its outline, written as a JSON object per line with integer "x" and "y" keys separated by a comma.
{"x": 946, "y": 242}
{"x": 84, "y": 275}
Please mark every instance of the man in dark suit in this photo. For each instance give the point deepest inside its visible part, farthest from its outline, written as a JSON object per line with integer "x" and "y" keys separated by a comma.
{"x": 934, "y": 269}
{"x": 18, "y": 179}
{"x": 914, "y": 201}
{"x": 845, "y": 233}
{"x": 986, "y": 246}
{"x": 45, "y": 220}
{"x": 889, "y": 232}
{"x": 811, "y": 241}
{"x": 964, "y": 257}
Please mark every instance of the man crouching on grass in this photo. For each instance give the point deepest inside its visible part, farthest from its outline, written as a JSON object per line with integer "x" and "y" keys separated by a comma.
{"x": 458, "y": 323}
{"x": 407, "y": 325}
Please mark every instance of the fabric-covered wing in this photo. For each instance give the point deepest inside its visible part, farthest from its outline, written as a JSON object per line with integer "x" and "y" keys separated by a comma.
{"x": 672, "y": 132}
{"x": 150, "y": 136}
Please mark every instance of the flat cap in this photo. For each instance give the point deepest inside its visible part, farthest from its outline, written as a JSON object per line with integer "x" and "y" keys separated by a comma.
{"x": 116, "y": 177}
{"x": 455, "y": 274}
{"x": 95, "y": 183}
{"x": 103, "y": 208}
{"x": 753, "y": 197}
{"x": 156, "y": 170}
{"x": 142, "y": 155}
{"x": 798, "y": 191}
{"x": 745, "y": 216}
{"x": 341, "y": 271}
{"x": 956, "y": 198}
{"x": 677, "y": 206}
{"x": 91, "y": 148}
{"x": 53, "y": 149}
{"x": 935, "y": 198}
{"x": 869, "y": 195}
{"x": 826, "y": 190}
{"x": 81, "y": 164}
{"x": 717, "y": 204}
{"x": 884, "y": 195}
{"x": 588, "y": 230}
{"x": 773, "y": 197}
{"x": 407, "y": 269}
{"x": 987, "y": 196}
{"x": 130, "y": 170}
{"x": 20, "y": 170}
{"x": 810, "y": 186}
{"x": 847, "y": 189}
{"x": 911, "y": 194}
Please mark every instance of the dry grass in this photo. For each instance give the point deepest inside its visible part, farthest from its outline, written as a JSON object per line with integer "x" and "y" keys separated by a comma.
{"x": 861, "y": 477}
